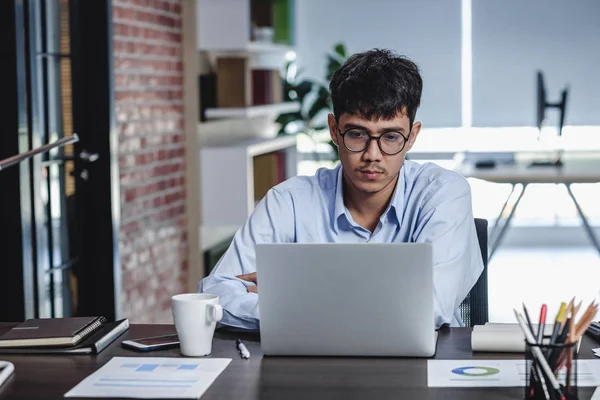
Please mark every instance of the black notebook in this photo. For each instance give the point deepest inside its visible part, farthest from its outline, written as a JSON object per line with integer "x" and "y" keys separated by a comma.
{"x": 93, "y": 344}
{"x": 40, "y": 332}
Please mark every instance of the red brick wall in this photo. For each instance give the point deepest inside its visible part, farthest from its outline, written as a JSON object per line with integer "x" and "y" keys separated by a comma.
{"x": 147, "y": 38}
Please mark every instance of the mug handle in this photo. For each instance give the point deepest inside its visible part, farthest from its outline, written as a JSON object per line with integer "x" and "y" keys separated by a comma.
{"x": 216, "y": 312}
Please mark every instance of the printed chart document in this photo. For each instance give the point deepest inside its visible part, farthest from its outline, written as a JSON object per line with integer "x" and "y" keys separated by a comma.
{"x": 497, "y": 373}
{"x": 151, "y": 378}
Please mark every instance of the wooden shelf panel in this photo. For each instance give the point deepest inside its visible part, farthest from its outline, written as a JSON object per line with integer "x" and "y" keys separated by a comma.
{"x": 256, "y": 147}
{"x": 252, "y": 111}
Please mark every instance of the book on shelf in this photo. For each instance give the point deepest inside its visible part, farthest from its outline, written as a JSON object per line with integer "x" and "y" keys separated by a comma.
{"x": 233, "y": 82}
{"x": 276, "y": 14}
{"x": 268, "y": 172}
{"x": 282, "y": 21}
{"x": 74, "y": 335}
{"x": 261, "y": 87}
{"x": 267, "y": 87}
{"x": 208, "y": 93}
{"x": 280, "y": 167}
{"x": 276, "y": 87}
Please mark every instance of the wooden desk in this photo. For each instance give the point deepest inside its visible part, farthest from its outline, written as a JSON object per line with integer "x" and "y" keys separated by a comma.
{"x": 50, "y": 377}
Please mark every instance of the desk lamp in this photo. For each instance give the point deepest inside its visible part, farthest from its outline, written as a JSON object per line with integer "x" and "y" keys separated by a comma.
{"x": 8, "y": 162}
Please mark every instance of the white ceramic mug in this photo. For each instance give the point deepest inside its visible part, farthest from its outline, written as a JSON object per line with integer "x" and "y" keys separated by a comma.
{"x": 196, "y": 316}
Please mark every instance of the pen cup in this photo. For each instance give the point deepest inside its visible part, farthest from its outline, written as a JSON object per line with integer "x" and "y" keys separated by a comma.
{"x": 561, "y": 359}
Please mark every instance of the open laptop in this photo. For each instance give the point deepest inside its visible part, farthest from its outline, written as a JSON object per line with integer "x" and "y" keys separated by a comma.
{"x": 334, "y": 299}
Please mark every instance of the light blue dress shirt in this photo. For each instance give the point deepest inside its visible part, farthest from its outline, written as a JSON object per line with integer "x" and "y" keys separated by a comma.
{"x": 429, "y": 205}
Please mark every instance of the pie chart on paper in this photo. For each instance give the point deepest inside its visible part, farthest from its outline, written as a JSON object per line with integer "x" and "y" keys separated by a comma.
{"x": 498, "y": 373}
{"x": 475, "y": 371}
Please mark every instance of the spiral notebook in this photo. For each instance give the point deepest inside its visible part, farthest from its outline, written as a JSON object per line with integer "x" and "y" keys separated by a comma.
{"x": 51, "y": 332}
{"x": 93, "y": 344}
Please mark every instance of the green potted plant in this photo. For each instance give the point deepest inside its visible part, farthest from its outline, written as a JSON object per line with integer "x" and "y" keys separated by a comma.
{"x": 313, "y": 96}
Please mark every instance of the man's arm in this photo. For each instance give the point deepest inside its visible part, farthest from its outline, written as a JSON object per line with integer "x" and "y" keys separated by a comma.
{"x": 446, "y": 221}
{"x": 271, "y": 222}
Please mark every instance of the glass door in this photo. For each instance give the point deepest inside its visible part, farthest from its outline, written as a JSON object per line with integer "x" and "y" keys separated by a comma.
{"x": 57, "y": 280}
{"x": 60, "y": 209}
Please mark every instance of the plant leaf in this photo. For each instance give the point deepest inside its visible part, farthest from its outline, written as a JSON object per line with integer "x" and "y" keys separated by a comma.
{"x": 332, "y": 65}
{"x": 303, "y": 88}
{"x": 321, "y": 103}
{"x": 340, "y": 50}
{"x": 286, "y": 118}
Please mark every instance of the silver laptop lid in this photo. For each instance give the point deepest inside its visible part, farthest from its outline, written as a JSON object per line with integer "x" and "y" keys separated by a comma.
{"x": 346, "y": 299}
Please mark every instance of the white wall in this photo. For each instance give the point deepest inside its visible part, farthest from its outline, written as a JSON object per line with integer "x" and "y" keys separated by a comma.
{"x": 427, "y": 31}
{"x": 514, "y": 38}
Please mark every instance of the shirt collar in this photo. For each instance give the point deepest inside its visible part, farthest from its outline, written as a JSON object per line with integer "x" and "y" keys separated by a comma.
{"x": 394, "y": 209}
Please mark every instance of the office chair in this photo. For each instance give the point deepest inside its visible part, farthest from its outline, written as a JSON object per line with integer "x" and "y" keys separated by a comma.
{"x": 474, "y": 308}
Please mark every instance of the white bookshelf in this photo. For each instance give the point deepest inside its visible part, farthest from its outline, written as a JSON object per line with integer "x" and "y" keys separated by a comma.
{"x": 227, "y": 177}
{"x": 253, "y": 111}
{"x": 259, "y": 55}
{"x": 223, "y": 30}
{"x": 252, "y": 48}
{"x": 225, "y": 25}
{"x": 222, "y": 24}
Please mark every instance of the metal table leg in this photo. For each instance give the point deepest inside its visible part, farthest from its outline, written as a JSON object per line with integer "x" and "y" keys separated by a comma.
{"x": 497, "y": 224}
{"x": 506, "y": 223}
{"x": 584, "y": 220}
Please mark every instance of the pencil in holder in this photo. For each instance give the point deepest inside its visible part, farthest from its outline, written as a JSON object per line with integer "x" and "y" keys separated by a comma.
{"x": 550, "y": 370}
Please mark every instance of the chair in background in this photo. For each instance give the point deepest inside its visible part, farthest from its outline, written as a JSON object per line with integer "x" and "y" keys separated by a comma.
{"x": 474, "y": 308}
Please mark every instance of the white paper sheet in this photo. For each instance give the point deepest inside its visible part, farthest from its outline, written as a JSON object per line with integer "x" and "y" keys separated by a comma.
{"x": 596, "y": 395}
{"x": 151, "y": 378}
{"x": 497, "y": 373}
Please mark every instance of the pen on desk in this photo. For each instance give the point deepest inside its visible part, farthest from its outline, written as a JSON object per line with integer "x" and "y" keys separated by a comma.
{"x": 527, "y": 317}
{"x": 542, "y": 325}
{"x": 242, "y": 349}
{"x": 555, "y": 354}
{"x": 540, "y": 375}
{"x": 572, "y": 333}
{"x": 558, "y": 322}
{"x": 570, "y": 352}
{"x": 535, "y": 374}
{"x": 539, "y": 357}
{"x": 560, "y": 317}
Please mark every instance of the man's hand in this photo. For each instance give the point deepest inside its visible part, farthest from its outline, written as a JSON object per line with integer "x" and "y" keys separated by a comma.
{"x": 249, "y": 278}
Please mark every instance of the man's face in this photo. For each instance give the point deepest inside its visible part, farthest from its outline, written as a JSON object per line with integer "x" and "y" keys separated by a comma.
{"x": 372, "y": 170}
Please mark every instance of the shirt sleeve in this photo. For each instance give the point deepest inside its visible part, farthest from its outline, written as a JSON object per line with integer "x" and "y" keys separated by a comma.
{"x": 271, "y": 222}
{"x": 446, "y": 222}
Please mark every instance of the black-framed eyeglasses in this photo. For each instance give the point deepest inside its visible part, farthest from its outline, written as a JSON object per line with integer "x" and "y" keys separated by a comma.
{"x": 357, "y": 140}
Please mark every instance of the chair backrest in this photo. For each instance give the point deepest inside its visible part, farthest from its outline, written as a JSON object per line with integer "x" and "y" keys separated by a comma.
{"x": 474, "y": 308}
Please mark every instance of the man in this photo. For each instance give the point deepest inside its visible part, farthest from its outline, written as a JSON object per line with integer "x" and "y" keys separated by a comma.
{"x": 373, "y": 195}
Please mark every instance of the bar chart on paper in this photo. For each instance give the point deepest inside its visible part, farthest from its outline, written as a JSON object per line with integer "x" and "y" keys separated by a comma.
{"x": 149, "y": 378}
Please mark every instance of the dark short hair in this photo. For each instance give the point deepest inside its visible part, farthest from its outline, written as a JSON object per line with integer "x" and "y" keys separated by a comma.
{"x": 376, "y": 84}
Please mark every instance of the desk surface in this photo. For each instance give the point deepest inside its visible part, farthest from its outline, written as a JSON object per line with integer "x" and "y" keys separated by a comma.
{"x": 50, "y": 377}
{"x": 573, "y": 171}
